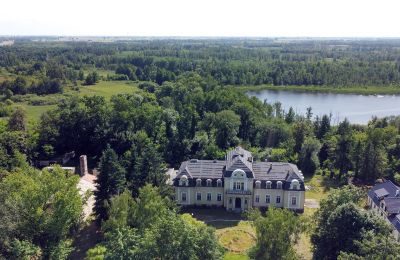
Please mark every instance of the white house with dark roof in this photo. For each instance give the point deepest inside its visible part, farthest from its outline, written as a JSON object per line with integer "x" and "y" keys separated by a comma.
{"x": 238, "y": 183}
{"x": 384, "y": 199}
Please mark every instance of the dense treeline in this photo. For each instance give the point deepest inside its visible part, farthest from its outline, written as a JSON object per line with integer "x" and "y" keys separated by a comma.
{"x": 229, "y": 61}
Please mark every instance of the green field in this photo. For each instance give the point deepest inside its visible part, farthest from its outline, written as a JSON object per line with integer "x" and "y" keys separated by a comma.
{"x": 108, "y": 88}
{"x": 363, "y": 90}
{"x": 104, "y": 88}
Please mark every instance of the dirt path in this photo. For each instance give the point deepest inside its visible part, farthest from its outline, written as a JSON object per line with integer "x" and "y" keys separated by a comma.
{"x": 311, "y": 203}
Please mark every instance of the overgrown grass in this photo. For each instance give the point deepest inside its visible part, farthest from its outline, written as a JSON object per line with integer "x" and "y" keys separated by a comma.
{"x": 319, "y": 186}
{"x": 108, "y": 88}
{"x": 233, "y": 256}
{"x": 364, "y": 90}
{"x": 237, "y": 239}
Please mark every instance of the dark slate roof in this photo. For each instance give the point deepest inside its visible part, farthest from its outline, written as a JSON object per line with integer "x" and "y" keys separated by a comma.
{"x": 395, "y": 220}
{"x": 240, "y": 159}
{"x": 388, "y": 186}
{"x": 208, "y": 169}
{"x": 387, "y": 192}
{"x": 392, "y": 205}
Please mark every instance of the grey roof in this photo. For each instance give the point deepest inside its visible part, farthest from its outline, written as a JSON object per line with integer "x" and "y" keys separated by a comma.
{"x": 202, "y": 169}
{"x": 387, "y": 185}
{"x": 382, "y": 192}
{"x": 392, "y": 205}
{"x": 275, "y": 171}
{"x": 240, "y": 159}
{"x": 387, "y": 191}
{"x": 395, "y": 220}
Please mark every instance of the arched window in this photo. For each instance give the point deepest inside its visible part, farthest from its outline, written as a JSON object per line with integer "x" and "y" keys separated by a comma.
{"x": 279, "y": 185}
{"x": 209, "y": 182}
{"x": 269, "y": 184}
{"x": 258, "y": 184}
{"x": 295, "y": 184}
{"x": 183, "y": 181}
{"x": 198, "y": 182}
{"x": 219, "y": 183}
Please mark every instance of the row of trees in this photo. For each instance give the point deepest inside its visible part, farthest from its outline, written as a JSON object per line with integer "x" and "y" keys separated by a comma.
{"x": 20, "y": 86}
{"x": 229, "y": 61}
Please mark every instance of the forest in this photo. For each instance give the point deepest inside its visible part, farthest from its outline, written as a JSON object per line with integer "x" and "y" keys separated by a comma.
{"x": 184, "y": 106}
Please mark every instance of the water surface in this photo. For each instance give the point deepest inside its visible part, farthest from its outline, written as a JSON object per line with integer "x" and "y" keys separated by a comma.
{"x": 358, "y": 109}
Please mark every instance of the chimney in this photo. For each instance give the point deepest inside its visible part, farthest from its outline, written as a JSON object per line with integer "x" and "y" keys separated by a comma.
{"x": 397, "y": 193}
{"x": 83, "y": 164}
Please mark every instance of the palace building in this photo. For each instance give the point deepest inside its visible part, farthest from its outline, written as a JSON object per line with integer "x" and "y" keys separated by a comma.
{"x": 238, "y": 183}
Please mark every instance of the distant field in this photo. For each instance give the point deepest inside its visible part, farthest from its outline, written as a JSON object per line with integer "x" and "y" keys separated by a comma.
{"x": 104, "y": 88}
{"x": 108, "y": 88}
{"x": 364, "y": 90}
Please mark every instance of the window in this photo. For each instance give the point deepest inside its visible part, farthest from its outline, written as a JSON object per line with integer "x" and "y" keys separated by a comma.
{"x": 295, "y": 184}
{"x": 294, "y": 200}
{"x": 198, "y": 196}
{"x": 209, "y": 183}
{"x": 238, "y": 185}
{"x": 268, "y": 185}
{"x": 245, "y": 202}
{"x": 183, "y": 196}
{"x": 208, "y": 196}
{"x": 183, "y": 181}
{"x": 257, "y": 198}
{"x": 230, "y": 200}
{"x": 219, "y": 183}
{"x": 219, "y": 197}
{"x": 278, "y": 199}
{"x": 267, "y": 199}
{"x": 279, "y": 185}
{"x": 258, "y": 184}
{"x": 198, "y": 182}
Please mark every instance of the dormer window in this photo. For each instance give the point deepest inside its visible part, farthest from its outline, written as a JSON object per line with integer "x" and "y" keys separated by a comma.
{"x": 183, "y": 181}
{"x": 258, "y": 184}
{"x": 209, "y": 183}
{"x": 219, "y": 183}
{"x": 295, "y": 184}
{"x": 279, "y": 185}
{"x": 198, "y": 182}
{"x": 269, "y": 184}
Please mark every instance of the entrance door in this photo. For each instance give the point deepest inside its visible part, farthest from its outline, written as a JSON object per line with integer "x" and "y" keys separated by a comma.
{"x": 238, "y": 203}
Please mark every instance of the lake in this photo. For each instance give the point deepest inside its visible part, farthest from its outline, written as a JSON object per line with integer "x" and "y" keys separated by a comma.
{"x": 357, "y": 109}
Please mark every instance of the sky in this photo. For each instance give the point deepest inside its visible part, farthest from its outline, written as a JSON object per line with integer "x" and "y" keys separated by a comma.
{"x": 259, "y": 18}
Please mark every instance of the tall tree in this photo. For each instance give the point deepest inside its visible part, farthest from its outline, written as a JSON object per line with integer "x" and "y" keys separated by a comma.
{"x": 227, "y": 125}
{"x": 17, "y": 120}
{"x": 275, "y": 234}
{"x": 111, "y": 181}
{"x": 308, "y": 159}
{"x": 39, "y": 209}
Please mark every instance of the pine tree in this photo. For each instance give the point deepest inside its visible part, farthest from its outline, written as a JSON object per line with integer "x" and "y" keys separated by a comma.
{"x": 111, "y": 181}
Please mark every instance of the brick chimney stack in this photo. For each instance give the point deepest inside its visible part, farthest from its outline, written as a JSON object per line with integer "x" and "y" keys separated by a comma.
{"x": 83, "y": 164}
